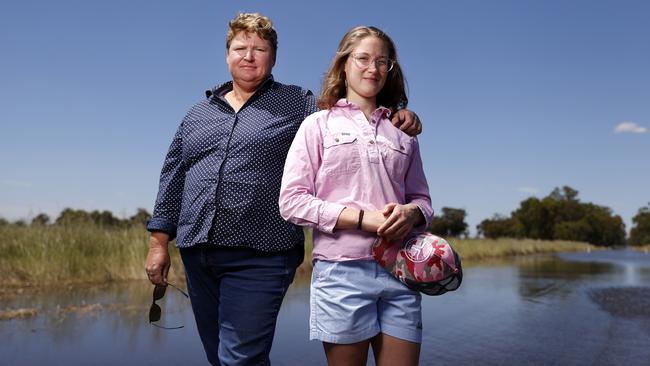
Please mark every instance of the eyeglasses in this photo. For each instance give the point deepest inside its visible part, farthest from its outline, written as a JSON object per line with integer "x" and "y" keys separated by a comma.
{"x": 363, "y": 61}
{"x": 155, "y": 311}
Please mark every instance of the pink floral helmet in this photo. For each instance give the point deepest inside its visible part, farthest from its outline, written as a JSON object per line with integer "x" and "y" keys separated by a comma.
{"x": 424, "y": 263}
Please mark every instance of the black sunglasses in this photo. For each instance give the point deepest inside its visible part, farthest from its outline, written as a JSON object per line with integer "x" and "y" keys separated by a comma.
{"x": 155, "y": 311}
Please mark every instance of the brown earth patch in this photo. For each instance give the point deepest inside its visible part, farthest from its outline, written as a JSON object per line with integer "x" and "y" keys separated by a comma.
{"x": 17, "y": 314}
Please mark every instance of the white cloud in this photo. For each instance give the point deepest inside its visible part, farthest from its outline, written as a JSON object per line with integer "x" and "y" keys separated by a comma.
{"x": 528, "y": 190}
{"x": 629, "y": 127}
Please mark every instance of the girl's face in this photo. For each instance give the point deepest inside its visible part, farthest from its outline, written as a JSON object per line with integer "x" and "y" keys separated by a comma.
{"x": 366, "y": 69}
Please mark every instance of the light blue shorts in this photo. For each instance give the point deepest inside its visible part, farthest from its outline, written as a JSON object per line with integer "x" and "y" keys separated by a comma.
{"x": 353, "y": 301}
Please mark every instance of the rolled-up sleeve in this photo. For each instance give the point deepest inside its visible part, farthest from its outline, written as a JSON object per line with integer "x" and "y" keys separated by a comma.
{"x": 170, "y": 190}
{"x": 298, "y": 203}
{"x": 416, "y": 187}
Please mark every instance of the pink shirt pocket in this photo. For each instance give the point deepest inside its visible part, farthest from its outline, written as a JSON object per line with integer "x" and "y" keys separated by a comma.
{"x": 395, "y": 153}
{"x": 341, "y": 154}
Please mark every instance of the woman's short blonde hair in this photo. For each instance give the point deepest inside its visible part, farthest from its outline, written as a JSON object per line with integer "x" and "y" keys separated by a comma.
{"x": 253, "y": 23}
{"x": 392, "y": 95}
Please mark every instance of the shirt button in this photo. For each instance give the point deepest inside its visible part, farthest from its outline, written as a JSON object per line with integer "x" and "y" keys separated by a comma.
{"x": 371, "y": 142}
{"x": 401, "y": 147}
{"x": 336, "y": 140}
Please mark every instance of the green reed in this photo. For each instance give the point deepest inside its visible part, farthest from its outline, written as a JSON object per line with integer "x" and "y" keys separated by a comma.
{"x": 54, "y": 255}
{"x": 477, "y": 249}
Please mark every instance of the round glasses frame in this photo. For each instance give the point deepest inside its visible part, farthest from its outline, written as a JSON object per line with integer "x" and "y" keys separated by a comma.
{"x": 363, "y": 61}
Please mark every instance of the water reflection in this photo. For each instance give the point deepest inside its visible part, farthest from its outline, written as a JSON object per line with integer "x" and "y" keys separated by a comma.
{"x": 99, "y": 325}
{"x": 545, "y": 277}
{"x": 632, "y": 265}
{"x": 542, "y": 310}
{"x": 625, "y": 302}
{"x": 538, "y": 310}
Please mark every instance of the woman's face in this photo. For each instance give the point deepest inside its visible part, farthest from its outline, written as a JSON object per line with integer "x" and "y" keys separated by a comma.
{"x": 250, "y": 59}
{"x": 366, "y": 82}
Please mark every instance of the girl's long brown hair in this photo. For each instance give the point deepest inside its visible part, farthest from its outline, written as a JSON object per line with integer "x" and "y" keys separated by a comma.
{"x": 392, "y": 95}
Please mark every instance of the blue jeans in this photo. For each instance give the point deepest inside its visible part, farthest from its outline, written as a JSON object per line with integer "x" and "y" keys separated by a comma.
{"x": 236, "y": 295}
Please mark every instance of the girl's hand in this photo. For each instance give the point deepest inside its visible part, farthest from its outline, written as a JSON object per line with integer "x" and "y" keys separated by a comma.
{"x": 400, "y": 221}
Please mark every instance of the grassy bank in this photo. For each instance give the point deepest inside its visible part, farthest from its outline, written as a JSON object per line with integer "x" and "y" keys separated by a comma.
{"x": 642, "y": 248}
{"x": 55, "y": 255}
{"x": 476, "y": 250}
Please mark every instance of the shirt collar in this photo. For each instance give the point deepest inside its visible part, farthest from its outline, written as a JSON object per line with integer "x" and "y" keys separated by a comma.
{"x": 221, "y": 90}
{"x": 381, "y": 110}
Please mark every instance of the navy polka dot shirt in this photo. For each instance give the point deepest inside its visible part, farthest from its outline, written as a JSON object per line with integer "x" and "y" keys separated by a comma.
{"x": 220, "y": 181}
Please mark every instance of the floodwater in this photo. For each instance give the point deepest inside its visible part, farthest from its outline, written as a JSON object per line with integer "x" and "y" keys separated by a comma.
{"x": 571, "y": 309}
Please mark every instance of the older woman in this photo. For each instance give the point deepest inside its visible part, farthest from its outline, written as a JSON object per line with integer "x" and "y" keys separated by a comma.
{"x": 218, "y": 196}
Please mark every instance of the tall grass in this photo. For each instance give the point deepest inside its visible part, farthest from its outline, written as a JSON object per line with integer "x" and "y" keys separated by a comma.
{"x": 642, "y": 248}
{"x": 54, "y": 255}
{"x": 477, "y": 249}
{"x": 51, "y": 255}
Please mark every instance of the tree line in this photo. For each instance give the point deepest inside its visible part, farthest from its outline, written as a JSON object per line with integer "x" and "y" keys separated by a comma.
{"x": 558, "y": 216}
{"x": 71, "y": 216}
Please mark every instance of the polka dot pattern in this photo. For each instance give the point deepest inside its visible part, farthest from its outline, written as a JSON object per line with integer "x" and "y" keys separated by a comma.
{"x": 220, "y": 181}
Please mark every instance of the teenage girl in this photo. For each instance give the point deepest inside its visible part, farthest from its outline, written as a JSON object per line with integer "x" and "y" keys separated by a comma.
{"x": 352, "y": 176}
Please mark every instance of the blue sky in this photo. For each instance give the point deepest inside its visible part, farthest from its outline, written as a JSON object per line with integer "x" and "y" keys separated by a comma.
{"x": 517, "y": 97}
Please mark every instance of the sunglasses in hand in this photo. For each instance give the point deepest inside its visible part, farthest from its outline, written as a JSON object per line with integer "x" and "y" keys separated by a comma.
{"x": 155, "y": 311}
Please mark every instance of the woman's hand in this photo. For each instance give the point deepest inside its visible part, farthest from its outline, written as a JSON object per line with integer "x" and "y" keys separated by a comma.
{"x": 400, "y": 221}
{"x": 158, "y": 261}
{"x": 407, "y": 121}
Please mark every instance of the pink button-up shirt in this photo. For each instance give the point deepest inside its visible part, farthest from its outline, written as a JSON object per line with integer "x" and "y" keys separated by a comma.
{"x": 340, "y": 159}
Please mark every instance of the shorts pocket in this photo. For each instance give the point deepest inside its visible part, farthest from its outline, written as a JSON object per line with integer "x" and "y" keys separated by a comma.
{"x": 322, "y": 270}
